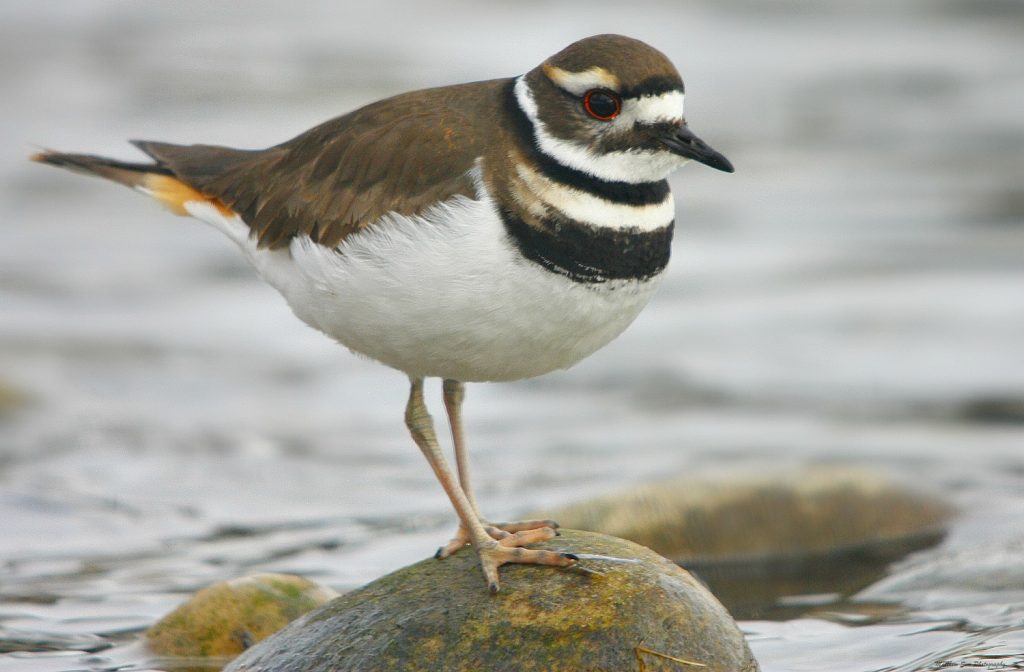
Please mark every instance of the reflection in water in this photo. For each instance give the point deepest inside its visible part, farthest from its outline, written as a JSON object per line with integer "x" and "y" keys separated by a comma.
{"x": 791, "y": 586}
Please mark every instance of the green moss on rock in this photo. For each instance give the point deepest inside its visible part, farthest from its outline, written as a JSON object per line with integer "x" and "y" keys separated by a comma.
{"x": 228, "y": 617}
{"x": 438, "y": 615}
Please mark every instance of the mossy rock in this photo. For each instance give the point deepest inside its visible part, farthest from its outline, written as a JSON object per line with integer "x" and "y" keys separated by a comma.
{"x": 781, "y": 513}
{"x": 439, "y": 615}
{"x": 228, "y": 617}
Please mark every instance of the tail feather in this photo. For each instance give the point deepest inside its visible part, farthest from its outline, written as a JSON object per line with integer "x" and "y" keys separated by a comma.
{"x": 123, "y": 172}
{"x": 154, "y": 179}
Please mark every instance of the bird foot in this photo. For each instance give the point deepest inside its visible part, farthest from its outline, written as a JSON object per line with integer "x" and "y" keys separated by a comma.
{"x": 508, "y": 550}
{"x": 498, "y": 532}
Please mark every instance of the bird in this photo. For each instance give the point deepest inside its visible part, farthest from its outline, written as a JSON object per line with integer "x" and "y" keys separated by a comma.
{"x": 487, "y": 231}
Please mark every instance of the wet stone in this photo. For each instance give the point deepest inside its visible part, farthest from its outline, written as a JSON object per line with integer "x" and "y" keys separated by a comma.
{"x": 438, "y": 615}
{"x": 12, "y": 398}
{"x": 762, "y": 515}
{"x": 994, "y": 409}
{"x": 757, "y": 538}
{"x": 226, "y": 618}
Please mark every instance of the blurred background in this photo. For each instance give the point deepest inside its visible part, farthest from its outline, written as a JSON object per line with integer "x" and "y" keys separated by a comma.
{"x": 853, "y": 294}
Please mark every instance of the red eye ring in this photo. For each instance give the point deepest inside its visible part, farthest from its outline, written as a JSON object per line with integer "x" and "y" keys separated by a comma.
{"x": 602, "y": 104}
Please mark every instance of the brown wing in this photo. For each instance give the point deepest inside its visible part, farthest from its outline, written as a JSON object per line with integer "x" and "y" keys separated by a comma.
{"x": 400, "y": 155}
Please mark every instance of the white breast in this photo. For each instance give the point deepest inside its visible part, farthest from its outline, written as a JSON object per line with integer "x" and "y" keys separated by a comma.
{"x": 443, "y": 294}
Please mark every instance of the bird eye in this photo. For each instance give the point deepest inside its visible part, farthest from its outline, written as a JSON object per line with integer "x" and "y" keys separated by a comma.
{"x": 602, "y": 104}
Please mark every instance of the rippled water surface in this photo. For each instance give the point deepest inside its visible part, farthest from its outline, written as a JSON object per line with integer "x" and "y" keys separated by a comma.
{"x": 853, "y": 294}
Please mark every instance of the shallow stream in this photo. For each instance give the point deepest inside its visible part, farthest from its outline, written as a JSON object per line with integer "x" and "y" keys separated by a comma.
{"x": 854, "y": 294}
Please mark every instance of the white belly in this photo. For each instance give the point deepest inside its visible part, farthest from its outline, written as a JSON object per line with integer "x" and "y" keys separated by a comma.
{"x": 452, "y": 298}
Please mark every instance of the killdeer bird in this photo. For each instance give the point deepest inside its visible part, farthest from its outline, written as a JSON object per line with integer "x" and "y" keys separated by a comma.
{"x": 489, "y": 231}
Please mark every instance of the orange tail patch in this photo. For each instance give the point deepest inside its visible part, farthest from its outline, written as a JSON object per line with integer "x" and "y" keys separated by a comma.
{"x": 174, "y": 194}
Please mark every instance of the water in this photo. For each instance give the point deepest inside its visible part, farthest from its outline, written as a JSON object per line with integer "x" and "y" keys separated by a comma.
{"x": 853, "y": 294}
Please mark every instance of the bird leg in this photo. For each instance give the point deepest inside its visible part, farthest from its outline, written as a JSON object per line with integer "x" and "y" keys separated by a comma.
{"x": 454, "y": 394}
{"x": 493, "y": 553}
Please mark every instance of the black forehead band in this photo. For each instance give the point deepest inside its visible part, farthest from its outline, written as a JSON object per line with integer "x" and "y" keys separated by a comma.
{"x": 653, "y": 86}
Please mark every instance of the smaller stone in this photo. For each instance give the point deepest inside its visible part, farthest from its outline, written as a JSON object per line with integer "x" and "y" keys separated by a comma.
{"x": 769, "y": 515}
{"x": 12, "y": 398}
{"x": 1002, "y": 410}
{"x": 759, "y": 539}
{"x": 227, "y": 618}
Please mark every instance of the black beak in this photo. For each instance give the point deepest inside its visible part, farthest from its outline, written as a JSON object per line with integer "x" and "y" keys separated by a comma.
{"x": 685, "y": 143}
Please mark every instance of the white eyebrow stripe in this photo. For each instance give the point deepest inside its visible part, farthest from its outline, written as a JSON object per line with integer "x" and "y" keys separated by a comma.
{"x": 664, "y": 107}
{"x": 632, "y": 166}
{"x": 583, "y": 206}
{"x": 578, "y": 83}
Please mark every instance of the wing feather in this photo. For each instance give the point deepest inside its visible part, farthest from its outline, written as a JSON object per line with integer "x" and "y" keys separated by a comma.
{"x": 400, "y": 155}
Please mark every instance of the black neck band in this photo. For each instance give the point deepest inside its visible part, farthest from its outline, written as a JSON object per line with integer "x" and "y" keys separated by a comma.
{"x": 591, "y": 255}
